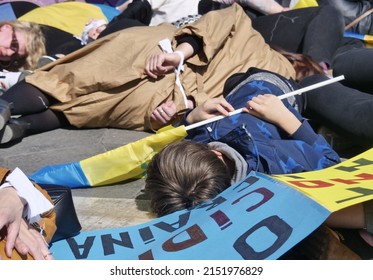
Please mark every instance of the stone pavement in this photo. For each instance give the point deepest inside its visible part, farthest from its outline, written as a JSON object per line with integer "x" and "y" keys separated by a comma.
{"x": 99, "y": 207}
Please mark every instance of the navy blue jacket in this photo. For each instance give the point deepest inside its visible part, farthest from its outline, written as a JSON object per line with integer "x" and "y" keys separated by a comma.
{"x": 265, "y": 147}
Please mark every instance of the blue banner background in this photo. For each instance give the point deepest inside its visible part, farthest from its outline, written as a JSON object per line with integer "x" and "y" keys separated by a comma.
{"x": 258, "y": 218}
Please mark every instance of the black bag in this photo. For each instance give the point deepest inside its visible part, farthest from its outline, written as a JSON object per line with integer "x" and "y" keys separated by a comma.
{"x": 67, "y": 221}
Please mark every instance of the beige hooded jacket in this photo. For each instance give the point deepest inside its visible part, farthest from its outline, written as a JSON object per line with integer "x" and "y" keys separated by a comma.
{"x": 104, "y": 85}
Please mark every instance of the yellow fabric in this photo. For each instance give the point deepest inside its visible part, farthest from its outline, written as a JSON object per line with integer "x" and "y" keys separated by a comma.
{"x": 68, "y": 16}
{"x": 339, "y": 186}
{"x": 305, "y": 3}
{"x": 129, "y": 161}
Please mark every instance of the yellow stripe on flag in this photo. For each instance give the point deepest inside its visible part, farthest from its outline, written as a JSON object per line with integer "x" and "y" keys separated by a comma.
{"x": 129, "y": 161}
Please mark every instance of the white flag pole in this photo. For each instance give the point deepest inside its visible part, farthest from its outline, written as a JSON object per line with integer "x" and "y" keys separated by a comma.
{"x": 286, "y": 95}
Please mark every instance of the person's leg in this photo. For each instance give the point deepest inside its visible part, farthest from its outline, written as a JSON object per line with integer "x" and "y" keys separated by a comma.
{"x": 320, "y": 42}
{"x": 303, "y": 31}
{"x": 353, "y": 61}
{"x": 354, "y": 225}
{"x": 138, "y": 10}
{"x": 26, "y": 99}
{"x": 350, "y": 217}
{"x": 344, "y": 110}
{"x": 35, "y": 116}
{"x": 44, "y": 121}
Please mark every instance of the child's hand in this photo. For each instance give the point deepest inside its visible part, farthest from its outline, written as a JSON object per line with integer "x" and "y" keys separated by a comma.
{"x": 270, "y": 108}
{"x": 210, "y": 108}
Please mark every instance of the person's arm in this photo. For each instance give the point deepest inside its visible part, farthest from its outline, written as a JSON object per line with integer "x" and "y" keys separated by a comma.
{"x": 270, "y": 108}
{"x": 267, "y": 107}
{"x": 160, "y": 64}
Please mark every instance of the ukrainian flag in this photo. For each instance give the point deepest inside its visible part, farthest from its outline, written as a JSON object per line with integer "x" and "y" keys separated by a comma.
{"x": 126, "y": 162}
{"x": 367, "y": 39}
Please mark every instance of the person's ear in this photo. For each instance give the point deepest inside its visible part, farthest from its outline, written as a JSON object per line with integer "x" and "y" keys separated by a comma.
{"x": 217, "y": 153}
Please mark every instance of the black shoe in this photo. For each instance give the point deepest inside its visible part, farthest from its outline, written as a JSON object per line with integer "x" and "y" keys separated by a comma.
{"x": 5, "y": 108}
{"x": 14, "y": 129}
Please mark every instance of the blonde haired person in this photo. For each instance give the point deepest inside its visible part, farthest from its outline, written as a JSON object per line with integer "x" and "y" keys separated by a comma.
{"x": 21, "y": 45}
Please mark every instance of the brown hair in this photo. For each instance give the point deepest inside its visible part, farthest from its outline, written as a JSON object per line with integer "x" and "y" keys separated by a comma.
{"x": 183, "y": 175}
{"x": 303, "y": 64}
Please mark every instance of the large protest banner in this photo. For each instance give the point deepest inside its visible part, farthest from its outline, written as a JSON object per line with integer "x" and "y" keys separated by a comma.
{"x": 259, "y": 218}
{"x": 339, "y": 186}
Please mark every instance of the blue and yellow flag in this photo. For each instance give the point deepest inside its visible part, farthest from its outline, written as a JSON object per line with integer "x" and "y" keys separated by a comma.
{"x": 367, "y": 39}
{"x": 117, "y": 165}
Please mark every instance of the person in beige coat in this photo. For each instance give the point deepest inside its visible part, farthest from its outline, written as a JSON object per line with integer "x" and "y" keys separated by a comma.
{"x": 104, "y": 84}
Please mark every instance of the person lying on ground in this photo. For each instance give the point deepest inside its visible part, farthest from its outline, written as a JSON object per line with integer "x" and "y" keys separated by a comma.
{"x": 215, "y": 157}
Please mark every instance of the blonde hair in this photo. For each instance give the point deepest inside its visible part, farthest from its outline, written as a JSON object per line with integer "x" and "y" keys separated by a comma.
{"x": 35, "y": 44}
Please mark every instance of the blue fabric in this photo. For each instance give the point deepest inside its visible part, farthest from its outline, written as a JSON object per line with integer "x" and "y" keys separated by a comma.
{"x": 265, "y": 147}
{"x": 348, "y": 34}
{"x": 56, "y": 175}
{"x": 6, "y": 12}
{"x": 254, "y": 219}
{"x": 108, "y": 11}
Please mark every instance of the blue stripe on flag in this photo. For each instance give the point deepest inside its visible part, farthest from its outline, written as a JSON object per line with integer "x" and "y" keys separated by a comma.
{"x": 70, "y": 175}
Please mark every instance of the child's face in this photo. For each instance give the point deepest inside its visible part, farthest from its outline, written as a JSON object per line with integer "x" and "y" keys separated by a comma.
{"x": 95, "y": 32}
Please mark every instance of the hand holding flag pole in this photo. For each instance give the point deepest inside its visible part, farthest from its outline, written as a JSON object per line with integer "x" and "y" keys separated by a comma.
{"x": 286, "y": 95}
